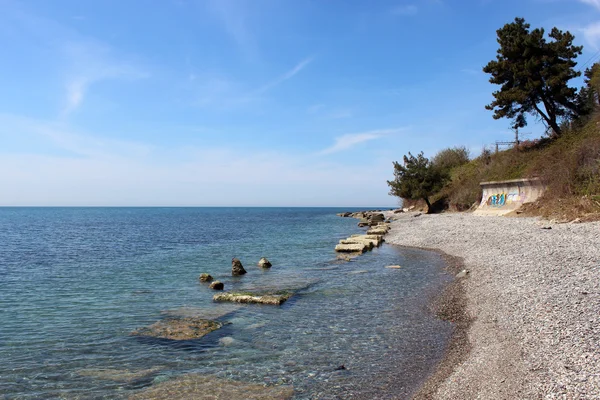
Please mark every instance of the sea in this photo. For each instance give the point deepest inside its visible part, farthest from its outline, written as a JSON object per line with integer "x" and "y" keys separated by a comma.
{"x": 76, "y": 282}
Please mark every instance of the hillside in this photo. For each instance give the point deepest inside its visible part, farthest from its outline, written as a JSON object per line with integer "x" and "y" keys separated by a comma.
{"x": 568, "y": 165}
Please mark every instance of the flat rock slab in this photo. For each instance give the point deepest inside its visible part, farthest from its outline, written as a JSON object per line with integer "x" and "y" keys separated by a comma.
{"x": 179, "y": 328}
{"x": 117, "y": 375}
{"x": 377, "y": 231}
{"x": 351, "y": 248}
{"x": 275, "y": 299}
{"x": 196, "y": 386}
{"x": 367, "y": 243}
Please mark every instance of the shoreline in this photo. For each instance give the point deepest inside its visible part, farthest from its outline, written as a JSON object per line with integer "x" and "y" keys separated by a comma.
{"x": 448, "y": 305}
{"x": 527, "y": 321}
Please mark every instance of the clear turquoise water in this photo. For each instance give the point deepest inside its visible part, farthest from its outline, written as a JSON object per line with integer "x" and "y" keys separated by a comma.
{"x": 74, "y": 282}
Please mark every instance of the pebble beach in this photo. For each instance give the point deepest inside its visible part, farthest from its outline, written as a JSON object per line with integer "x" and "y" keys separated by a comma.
{"x": 532, "y": 300}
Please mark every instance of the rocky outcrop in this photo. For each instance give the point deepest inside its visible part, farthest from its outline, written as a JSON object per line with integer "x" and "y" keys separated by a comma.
{"x": 264, "y": 263}
{"x": 217, "y": 285}
{"x": 358, "y": 244}
{"x": 237, "y": 269}
{"x": 205, "y": 278}
{"x": 255, "y": 298}
{"x": 178, "y": 328}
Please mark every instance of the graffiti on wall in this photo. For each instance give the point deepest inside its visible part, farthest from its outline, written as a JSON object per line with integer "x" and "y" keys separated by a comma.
{"x": 502, "y": 199}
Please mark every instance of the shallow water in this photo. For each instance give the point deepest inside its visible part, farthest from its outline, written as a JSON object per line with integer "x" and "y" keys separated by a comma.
{"x": 74, "y": 282}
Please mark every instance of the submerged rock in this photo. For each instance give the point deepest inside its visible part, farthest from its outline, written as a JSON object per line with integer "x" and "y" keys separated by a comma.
{"x": 236, "y": 267}
{"x": 217, "y": 285}
{"x": 227, "y": 341}
{"x": 197, "y": 386}
{"x": 179, "y": 328}
{"x": 117, "y": 375}
{"x": 264, "y": 263}
{"x": 205, "y": 278}
{"x": 209, "y": 311}
{"x": 275, "y": 299}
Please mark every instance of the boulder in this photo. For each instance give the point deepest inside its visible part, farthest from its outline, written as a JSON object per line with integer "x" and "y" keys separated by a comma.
{"x": 398, "y": 211}
{"x": 217, "y": 285}
{"x": 377, "y": 218}
{"x": 264, "y": 263}
{"x": 275, "y": 299}
{"x": 237, "y": 268}
{"x": 351, "y": 248}
{"x": 178, "y": 328}
{"x": 205, "y": 278}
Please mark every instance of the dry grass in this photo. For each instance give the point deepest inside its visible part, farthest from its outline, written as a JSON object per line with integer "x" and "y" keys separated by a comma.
{"x": 569, "y": 166}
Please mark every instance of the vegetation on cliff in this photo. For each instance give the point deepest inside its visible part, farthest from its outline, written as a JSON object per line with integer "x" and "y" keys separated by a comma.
{"x": 534, "y": 75}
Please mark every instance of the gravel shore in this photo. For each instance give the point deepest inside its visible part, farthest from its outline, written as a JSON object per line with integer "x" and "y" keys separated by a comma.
{"x": 533, "y": 299}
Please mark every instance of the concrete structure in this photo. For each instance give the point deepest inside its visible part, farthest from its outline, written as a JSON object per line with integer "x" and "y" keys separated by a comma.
{"x": 502, "y": 197}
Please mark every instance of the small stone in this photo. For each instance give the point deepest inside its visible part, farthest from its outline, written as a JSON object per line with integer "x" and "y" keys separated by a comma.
{"x": 226, "y": 341}
{"x": 205, "y": 278}
{"x": 462, "y": 273}
{"x": 216, "y": 285}
{"x": 264, "y": 263}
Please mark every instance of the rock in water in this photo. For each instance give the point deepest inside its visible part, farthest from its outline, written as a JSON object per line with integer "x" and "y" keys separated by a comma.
{"x": 179, "y": 328}
{"x": 216, "y": 285}
{"x": 205, "y": 278}
{"x": 236, "y": 267}
{"x": 200, "y": 386}
{"x": 275, "y": 299}
{"x": 264, "y": 263}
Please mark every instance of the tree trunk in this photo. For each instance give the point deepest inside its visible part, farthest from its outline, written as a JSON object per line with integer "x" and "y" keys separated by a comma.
{"x": 550, "y": 121}
{"x": 429, "y": 210}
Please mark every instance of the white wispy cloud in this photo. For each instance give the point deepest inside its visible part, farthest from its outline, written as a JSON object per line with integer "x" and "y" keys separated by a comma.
{"x": 234, "y": 18}
{"x": 288, "y": 75}
{"x": 90, "y": 62}
{"x": 96, "y": 170}
{"x": 347, "y": 141}
{"x": 591, "y": 33}
{"x": 406, "y": 10}
{"x": 594, "y": 3}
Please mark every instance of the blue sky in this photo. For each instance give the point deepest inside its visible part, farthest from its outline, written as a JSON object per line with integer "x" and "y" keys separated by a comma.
{"x": 247, "y": 103}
